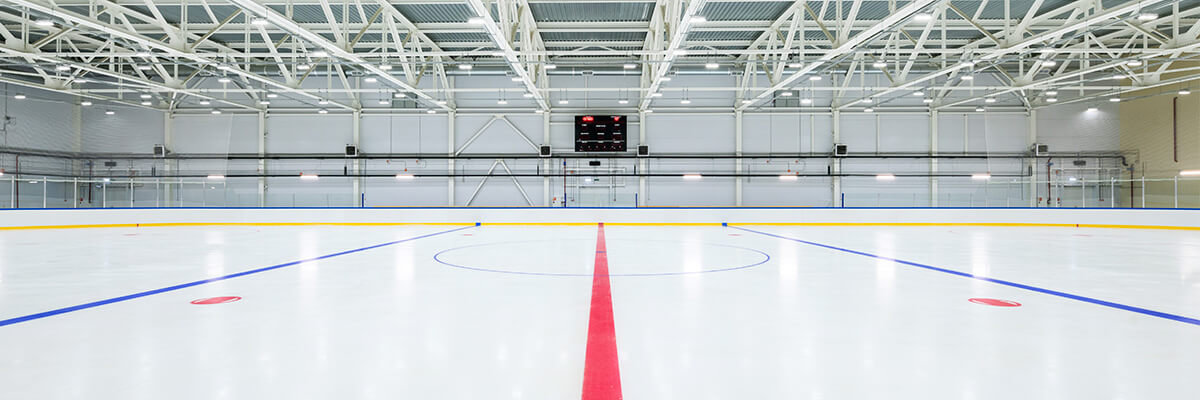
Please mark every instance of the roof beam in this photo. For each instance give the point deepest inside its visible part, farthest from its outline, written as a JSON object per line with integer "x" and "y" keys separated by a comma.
{"x": 996, "y": 53}
{"x": 835, "y": 53}
{"x": 289, "y": 25}
{"x": 504, "y": 46}
{"x": 675, "y": 47}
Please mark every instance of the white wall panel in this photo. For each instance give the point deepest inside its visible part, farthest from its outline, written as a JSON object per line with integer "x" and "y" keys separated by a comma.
{"x": 308, "y": 133}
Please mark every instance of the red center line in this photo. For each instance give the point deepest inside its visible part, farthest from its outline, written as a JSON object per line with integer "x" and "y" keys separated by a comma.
{"x": 601, "y": 374}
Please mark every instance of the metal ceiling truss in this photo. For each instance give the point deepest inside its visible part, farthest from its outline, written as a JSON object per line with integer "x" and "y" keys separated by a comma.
{"x": 197, "y": 54}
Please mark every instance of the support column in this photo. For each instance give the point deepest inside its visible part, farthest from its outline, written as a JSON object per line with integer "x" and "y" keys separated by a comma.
{"x": 76, "y": 146}
{"x": 356, "y": 134}
{"x": 262, "y": 162}
{"x": 933, "y": 161}
{"x": 168, "y": 128}
{"x": 737, "y": 149}
{"x": 1033, "y": 163}
{"x": 836, "y": 161}
{"x": 641, "y": 197}
{"x": 546, "y": 161}
{"x": 450, "y": 148}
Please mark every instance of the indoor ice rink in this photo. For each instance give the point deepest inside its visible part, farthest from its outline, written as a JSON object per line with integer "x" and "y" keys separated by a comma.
{"x": 599, "y": 199}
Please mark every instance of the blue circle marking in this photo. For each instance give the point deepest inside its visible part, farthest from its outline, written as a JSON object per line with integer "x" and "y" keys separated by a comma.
{"x": 439, "y": 258}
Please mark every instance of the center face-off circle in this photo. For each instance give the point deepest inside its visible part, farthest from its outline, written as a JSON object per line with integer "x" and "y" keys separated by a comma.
{"x": 575, "y": 257}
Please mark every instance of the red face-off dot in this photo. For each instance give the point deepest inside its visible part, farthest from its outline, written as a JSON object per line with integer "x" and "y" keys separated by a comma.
{"x": 217, "y": 300}
{"x": 994, "y": 302}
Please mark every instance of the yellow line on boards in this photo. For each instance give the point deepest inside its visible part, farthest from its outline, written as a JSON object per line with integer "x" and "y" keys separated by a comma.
{"x": 167, "y": 224}
{"x": 999, "y": 224}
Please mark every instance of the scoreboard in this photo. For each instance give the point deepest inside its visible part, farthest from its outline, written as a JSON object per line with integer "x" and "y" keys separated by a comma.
{"x": 596, "y": 133}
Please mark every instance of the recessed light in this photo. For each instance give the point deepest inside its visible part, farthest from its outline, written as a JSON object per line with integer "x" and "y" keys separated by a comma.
{"x": 81, "y": 80}
{"x": 62, "y": 67}
{"x": 927, "y": 100}
{"x": 85, "y": 103}
{"x": 978, "y": 109}
{"x": 215, "y": 111}
{"x": 550, "y": 66}
{"x": 1049, "y": 63}
{"x": 431, "y": 111}
{"x": 787, "y": 94}
{"x": 205, "y": 102}
{"x": 272, "y": 95}
{"x": 44, "y": 22}
{"x": 515, "y": 79}
{"x": 1147, "y": 16}
{"x": 868, "y": 109}
{"x": 440, "y": 102}
{"x": 1052, "y": 100}
{"x": 465, "y": 67}
{"x": 322, "y": 111}
{"x": 224, "y": 79}
{"x": 264, "y": 102}
{"x": 685, "y": 101}
{"x": 527, "y": 95}
{"x": 146, "y": 103}
{"x": 385, "y": 101}
{"x": 398, "y": 95}
{"x": 1134, "y": 63}
{"x": 145, "y": 95}
{"x": 666, "y": 79}
{"x": 868, "y": 100}
{"x": 629, "y": 66}
{"x": 385, "y": 67}
{"x": 1093, "y": 108}
{"x": 303, "y": 67}
{"x": 712, "y": 65}
{"x": 1052, "y": 93}
{"x": 648, "y": 111}
{"x": 319, "y": 54}
{"x": 370, "y": 79}
{"x": 1115, "y": 100}
{"x": 968, "y": 77}
{"x": 989, "y": 100}
{"x": 563, "y": 101}
{"x": 879, "y": 64}
{"x": 885, "y": 177}
{"x": 109, "y": 112}
{"x": 622, "y": 101}
{"x": 323, "y": 102}
{"x": 502, "y": 102}
{"x": 1184, "y": 92}
{"x": 814, "y": 78}
{"x": 805, "y": 101}
{"x": 795, "y": 65}
{"x": 747, "y": 101}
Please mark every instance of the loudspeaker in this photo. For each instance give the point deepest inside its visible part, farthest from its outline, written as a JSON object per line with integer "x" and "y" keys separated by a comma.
{"x": 840, "y": 150}
{"x": 643, "y": 150}
{"x": 351, "y": 150}
{"x": 544, "y": 151}
{"x": 160, "y": 151}
{"x": 1041, "y": 150}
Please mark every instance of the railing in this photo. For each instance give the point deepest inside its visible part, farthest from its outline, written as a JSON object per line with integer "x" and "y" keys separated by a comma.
{"x": 340, "y": 191}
